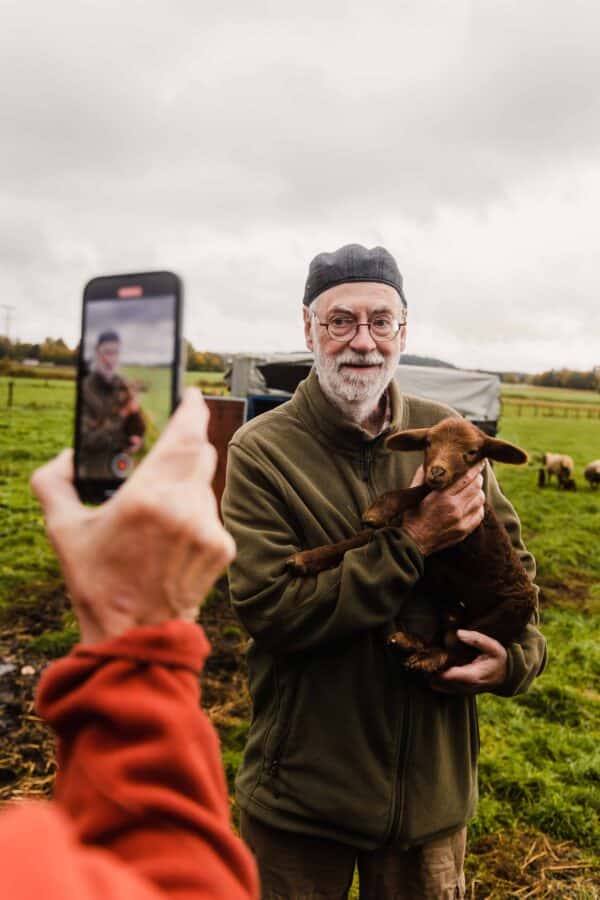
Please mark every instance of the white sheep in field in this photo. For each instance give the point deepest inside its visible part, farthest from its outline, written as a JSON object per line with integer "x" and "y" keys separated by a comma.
{"x": 592, "y": 473}
{"x": 561, "y": 466}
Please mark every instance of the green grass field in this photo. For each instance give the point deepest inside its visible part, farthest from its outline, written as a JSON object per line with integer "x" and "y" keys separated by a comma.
{"x": 540, "y": 760}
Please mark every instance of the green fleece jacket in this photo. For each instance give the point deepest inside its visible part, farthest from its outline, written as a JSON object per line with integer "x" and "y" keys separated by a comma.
{"x": 343, "y": 743}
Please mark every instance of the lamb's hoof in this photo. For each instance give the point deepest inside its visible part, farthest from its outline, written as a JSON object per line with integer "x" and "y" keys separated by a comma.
{"x": 374, "y": 517}
{"x": 429, "y": 662}
{"x": 299, "y": 563}
{"x": 405, "y": 643}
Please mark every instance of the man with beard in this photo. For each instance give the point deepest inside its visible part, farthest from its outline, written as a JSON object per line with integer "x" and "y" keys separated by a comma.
{"x": 350, "y": 760}
{"x": 111, "y": 422}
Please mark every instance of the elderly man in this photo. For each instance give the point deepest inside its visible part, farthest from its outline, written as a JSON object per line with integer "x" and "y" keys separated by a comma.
{"x": 350, "y": 760}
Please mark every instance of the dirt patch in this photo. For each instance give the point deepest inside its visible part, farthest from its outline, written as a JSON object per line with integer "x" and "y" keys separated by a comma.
{"x": 26, "y": 745}
{"x": 523, "y": 864}
{"x": 571, "y": 593}
{"x": 513, "y": 865}
{"x": 36, "y": 623}
{"x": 225, "y": 694}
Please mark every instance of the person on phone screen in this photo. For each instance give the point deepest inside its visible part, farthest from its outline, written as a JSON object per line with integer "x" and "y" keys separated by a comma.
{"x": 112, "y": 426}
{"x": 141, "y": 810}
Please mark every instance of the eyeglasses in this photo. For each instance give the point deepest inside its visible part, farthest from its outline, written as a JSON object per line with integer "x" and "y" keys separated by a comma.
{"x": 345, "y": 328}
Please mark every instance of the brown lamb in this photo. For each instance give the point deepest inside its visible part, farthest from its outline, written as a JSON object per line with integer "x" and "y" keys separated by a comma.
{"x": 480, "y": 582}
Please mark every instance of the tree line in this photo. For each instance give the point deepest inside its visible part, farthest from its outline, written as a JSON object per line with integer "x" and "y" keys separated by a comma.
{"x": 563, "y": 378}
{"x": 568, "y": 378}
{"x": 56, "y": 352}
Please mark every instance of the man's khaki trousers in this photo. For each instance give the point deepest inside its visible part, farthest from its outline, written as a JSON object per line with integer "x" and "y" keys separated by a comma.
{"x": 296, "y": 867}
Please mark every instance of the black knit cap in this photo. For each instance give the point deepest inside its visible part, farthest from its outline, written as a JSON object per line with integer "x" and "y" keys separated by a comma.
{"x": 353, "y": 262}
{"x": 105, "y": 336}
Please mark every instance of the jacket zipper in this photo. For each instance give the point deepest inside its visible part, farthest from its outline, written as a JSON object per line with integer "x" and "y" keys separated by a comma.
{"x": 277, "y": 752}
{"x": 271, "y": 764}
{"x": 402, "y": 755}
{"x": 366, "y": 464}
{"x": 400, "y": 780}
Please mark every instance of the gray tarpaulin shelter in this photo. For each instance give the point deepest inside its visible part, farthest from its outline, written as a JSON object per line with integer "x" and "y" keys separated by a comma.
{"x": 476, "y": 395}
{"x": 258, "y": 383}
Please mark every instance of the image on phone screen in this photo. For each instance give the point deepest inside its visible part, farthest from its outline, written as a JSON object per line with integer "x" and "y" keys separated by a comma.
{"x": 128, "y": 375}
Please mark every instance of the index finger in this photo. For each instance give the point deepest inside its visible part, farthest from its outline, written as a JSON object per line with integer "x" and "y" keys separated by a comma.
{"x": 481, "y": 641}
{"x": 52, "y": 484}
{"x": 418, "y": 478}
{"x": 467, "y": 479}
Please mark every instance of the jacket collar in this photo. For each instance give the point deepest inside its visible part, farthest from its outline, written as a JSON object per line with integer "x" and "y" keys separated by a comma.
{"x": 320, "y": 416}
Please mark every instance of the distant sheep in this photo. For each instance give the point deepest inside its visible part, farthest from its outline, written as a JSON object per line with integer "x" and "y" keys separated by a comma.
{"x": 559, "y": 465}
{"x": 592, "y": 473}
{"x": 480, "y": 582}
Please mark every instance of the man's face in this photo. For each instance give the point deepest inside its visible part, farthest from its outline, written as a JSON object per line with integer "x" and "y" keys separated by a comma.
{"x": 357, "y": 370}
{"x": 107, "y": 359}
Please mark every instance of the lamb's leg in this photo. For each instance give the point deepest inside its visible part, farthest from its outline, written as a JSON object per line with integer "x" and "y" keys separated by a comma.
{"x": 393, "y": 504}
{"x": 419, "y": 657}
{"x": 310, "y": 562}
{"x": 428, "y": 661}
{"x": 405, "y": 643}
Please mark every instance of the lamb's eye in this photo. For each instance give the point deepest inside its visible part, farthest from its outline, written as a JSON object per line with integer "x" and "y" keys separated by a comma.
{"x": 427, "y": 442}
{"x": 471, "y": 453}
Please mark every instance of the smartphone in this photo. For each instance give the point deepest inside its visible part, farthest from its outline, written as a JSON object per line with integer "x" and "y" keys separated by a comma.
{"x": 128, "y": 378}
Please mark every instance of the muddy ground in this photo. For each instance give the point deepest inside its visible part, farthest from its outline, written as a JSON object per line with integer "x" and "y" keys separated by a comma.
{"x": 519, "y": 864}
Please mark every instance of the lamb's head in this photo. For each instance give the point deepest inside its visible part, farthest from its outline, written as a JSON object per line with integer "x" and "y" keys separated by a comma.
{"x": 451, "y": 447}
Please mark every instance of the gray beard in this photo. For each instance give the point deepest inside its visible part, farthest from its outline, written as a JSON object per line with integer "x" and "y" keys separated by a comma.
{"x": 94, "y": 367}
{"x": 357, "y": 396}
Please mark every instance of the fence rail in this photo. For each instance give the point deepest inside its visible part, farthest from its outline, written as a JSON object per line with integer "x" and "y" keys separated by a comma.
{"x": 554, "y": 409}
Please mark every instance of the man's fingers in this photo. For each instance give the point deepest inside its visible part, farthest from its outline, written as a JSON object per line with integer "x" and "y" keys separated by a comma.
{"x": 465, "y": 481}
{"x": 475, "y": 505}
{"x": 52, "y": 484}
{"x": 482, "y": 642}
{"x": 418, "y": 477}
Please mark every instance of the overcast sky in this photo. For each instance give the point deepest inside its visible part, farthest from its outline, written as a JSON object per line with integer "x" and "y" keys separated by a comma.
{"x": 146, "y": 329}
{"x": 232, "y": 142}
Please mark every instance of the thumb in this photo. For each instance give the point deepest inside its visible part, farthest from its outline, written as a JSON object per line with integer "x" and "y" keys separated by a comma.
{"x": 418, "y": 477}
{"x": 183, "y": 440}
{"x": 483, "y": 642}
{"x": 52, "y": 484}
{"x": 182, "y": 451}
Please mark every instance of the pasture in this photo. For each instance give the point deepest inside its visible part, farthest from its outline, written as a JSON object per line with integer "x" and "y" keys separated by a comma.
{"x": 537, "y": 831}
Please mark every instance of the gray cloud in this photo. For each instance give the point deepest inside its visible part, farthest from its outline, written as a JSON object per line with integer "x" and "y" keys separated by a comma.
{"x": 233, "y": 143}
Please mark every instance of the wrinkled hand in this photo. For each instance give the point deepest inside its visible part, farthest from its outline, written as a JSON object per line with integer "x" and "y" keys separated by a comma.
{"x": 446, "y": 517}
{"x": 153, "y": 550}
{"x": 487, "y": 671}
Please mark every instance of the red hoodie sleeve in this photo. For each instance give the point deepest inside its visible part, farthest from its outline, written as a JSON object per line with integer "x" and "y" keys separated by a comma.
{"x": 139, "y": 775}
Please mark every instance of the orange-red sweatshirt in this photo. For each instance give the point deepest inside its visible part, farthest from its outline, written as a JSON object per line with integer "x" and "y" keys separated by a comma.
{"x": 141, "y": 809}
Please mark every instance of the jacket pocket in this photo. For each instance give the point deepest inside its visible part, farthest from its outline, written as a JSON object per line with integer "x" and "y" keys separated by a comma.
{"x": 275, "y": 741}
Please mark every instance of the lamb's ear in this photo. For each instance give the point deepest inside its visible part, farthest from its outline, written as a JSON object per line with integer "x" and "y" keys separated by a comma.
{"x": 413, "y": 439}
{"x": 504, "y": 452}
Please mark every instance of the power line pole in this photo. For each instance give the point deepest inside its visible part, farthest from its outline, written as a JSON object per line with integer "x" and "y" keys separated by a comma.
{"x": 8, "y": 311}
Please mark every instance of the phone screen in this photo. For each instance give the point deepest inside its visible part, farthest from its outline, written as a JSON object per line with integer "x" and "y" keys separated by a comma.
{"x": 128, "y": 378}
